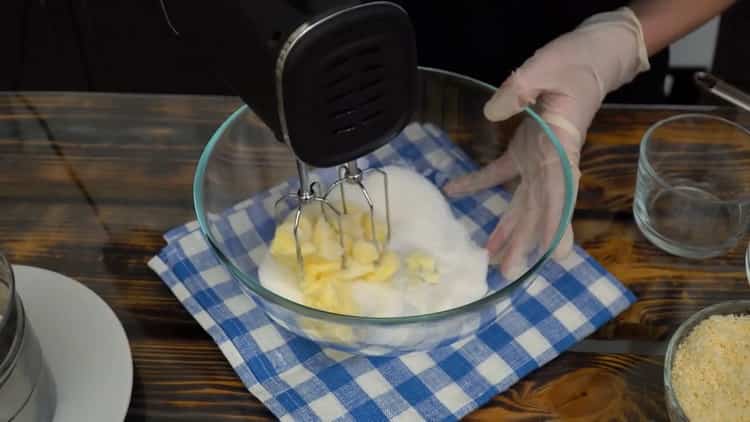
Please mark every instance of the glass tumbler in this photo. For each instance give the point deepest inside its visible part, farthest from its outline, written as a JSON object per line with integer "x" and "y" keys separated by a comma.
{"x": 27, "y": 391}
{"x": 692, "y": 194}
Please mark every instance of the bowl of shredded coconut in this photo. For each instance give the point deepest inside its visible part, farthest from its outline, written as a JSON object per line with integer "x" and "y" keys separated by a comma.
{"x": 359, "y": 287}
{"x": 707, "y": 366}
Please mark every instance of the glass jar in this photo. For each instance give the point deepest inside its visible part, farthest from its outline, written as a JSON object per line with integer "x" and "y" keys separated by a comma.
{"x": 27, "y": 390}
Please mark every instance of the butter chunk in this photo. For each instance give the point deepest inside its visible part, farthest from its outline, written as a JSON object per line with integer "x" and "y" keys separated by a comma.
{"x": 419, "y": 261}
{"x": 386, "y": 269}
{"x": 364, "y": 252}
{"x": 283, "y": 242}
{"x": 317, "y": 268}
{"x": 422, "y": 266}
{"x": 348, "y": 244}
{"x": 330, "y": 295}
{"x": 324, "y": 281}
{"x": 326, "y": 240}
{"x": 304, "y": 230}
{"x": 355, "y": 270}
{"x": 430, "y": 277}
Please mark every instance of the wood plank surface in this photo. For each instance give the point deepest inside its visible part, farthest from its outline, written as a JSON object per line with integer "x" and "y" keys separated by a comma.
{"x": 90, "y": 182}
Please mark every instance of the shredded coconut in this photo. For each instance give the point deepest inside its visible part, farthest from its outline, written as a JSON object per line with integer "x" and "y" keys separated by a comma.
{"x": 711, "y": 370}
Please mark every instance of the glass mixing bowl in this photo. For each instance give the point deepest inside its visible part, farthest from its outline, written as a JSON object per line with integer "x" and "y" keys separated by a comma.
{"x": 243, "y": 159}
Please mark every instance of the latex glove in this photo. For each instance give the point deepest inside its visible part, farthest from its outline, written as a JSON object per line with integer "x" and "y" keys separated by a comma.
{"x": 566, "y": 80}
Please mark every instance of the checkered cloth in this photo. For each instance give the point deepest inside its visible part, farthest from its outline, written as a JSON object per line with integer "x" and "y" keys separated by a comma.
{"x": 298, "y": 379}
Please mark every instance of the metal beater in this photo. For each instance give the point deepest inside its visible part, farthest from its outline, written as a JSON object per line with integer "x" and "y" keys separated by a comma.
{"x": 350, "y": 173}
{"x": 309, "y": 193}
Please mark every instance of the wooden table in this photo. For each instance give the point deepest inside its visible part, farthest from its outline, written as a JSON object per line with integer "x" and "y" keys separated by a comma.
{"x": 91, "y": 181}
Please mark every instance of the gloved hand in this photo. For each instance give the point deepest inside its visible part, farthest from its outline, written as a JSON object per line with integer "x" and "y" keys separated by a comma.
{"x": 566, "y": 80}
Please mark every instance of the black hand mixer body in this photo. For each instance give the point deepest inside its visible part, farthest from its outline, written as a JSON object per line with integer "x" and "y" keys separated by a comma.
{"x": 334, "y": 80}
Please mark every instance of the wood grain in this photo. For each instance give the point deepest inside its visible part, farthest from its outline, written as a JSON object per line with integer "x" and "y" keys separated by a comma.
{"x": 90, "y": 183}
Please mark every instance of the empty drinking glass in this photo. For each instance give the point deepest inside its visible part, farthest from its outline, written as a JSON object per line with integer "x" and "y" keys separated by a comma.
{"x": 692, "y": 194}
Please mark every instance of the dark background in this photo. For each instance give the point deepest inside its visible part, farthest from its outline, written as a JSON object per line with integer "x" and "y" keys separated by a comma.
{"x": 126, "y": 46}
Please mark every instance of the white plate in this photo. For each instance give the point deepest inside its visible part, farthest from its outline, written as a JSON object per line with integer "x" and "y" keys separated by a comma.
{"x": 83, "y": 343}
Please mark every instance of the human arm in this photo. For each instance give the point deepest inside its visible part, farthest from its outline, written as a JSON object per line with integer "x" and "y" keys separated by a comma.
{"x": 666, "y": 21}
{"x": 566, "y": 81}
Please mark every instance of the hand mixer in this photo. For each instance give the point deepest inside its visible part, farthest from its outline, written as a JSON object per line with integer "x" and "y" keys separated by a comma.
{"x": 333, "y": 79}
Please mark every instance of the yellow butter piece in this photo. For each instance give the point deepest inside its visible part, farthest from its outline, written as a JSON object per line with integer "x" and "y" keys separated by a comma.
{"x": 364, "y": 252}
{"x": 420, "y": 262}
{"x": 326, "y": 240}
{"x": 324, "y": 282}
{"x": 304, "y": 230}
{"x": 355, "y": 270}
{"x": 284, "y": 246}
{"x": 284, "y": 249}
{"x": 322, "y": 231}
{"x": 283, "y": 242}
{"x": 328, "y": 299}
{"x": 422, "y": 266}
{"x": 431, "y": 277}
{"x": 348, "y": 244}
{"x": 330, "y": 295}
{"x": 386, "y": 269}
{"x": 307, "y": 248}
{"x": 344, "y": 301}
{"x": 317, "y": 268}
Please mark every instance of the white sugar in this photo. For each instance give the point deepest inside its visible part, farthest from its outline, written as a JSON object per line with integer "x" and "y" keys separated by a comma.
{"x": 421, "y": 219}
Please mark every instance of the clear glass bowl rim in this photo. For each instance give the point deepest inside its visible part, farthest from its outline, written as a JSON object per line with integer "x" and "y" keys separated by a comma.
{"x": 643, "y": 159}
{"x": 307, "y": 311}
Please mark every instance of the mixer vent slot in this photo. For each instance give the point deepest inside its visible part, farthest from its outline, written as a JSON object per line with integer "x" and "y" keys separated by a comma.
{"x": 338, "y": 80}
{"x": 354, "y": 90}
{"x": 371, "y": 68}
{"x": 338, "y": 62}
{"x": 349, "y": 111}
{"x": 367, "y": 51}
{"x": 355, "y": 80}
{"x": 340, "y": 114}
{"x": 370, "y": 84}
{"x": 367, "y": 118}
{"x": 344, "y": 130}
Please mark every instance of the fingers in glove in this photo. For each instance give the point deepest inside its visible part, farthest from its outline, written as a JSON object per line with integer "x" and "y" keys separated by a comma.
{"x": 504, "y": 228}
{"x": 523, "y": 240}
{"x": 516, "y": 235}
{"x": 551, "y": 223}
{"x": 510, "y": 98}
{"x": 555, "y": 202}
{"x": 555, "y": 188}
{"x": 565, "y": 247}
{"x": 538, "y": 75}
{"x": 493, "y": 174}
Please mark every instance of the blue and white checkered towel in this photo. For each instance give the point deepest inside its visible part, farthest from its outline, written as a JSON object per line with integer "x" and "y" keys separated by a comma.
{"x": 298, "y": 380}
